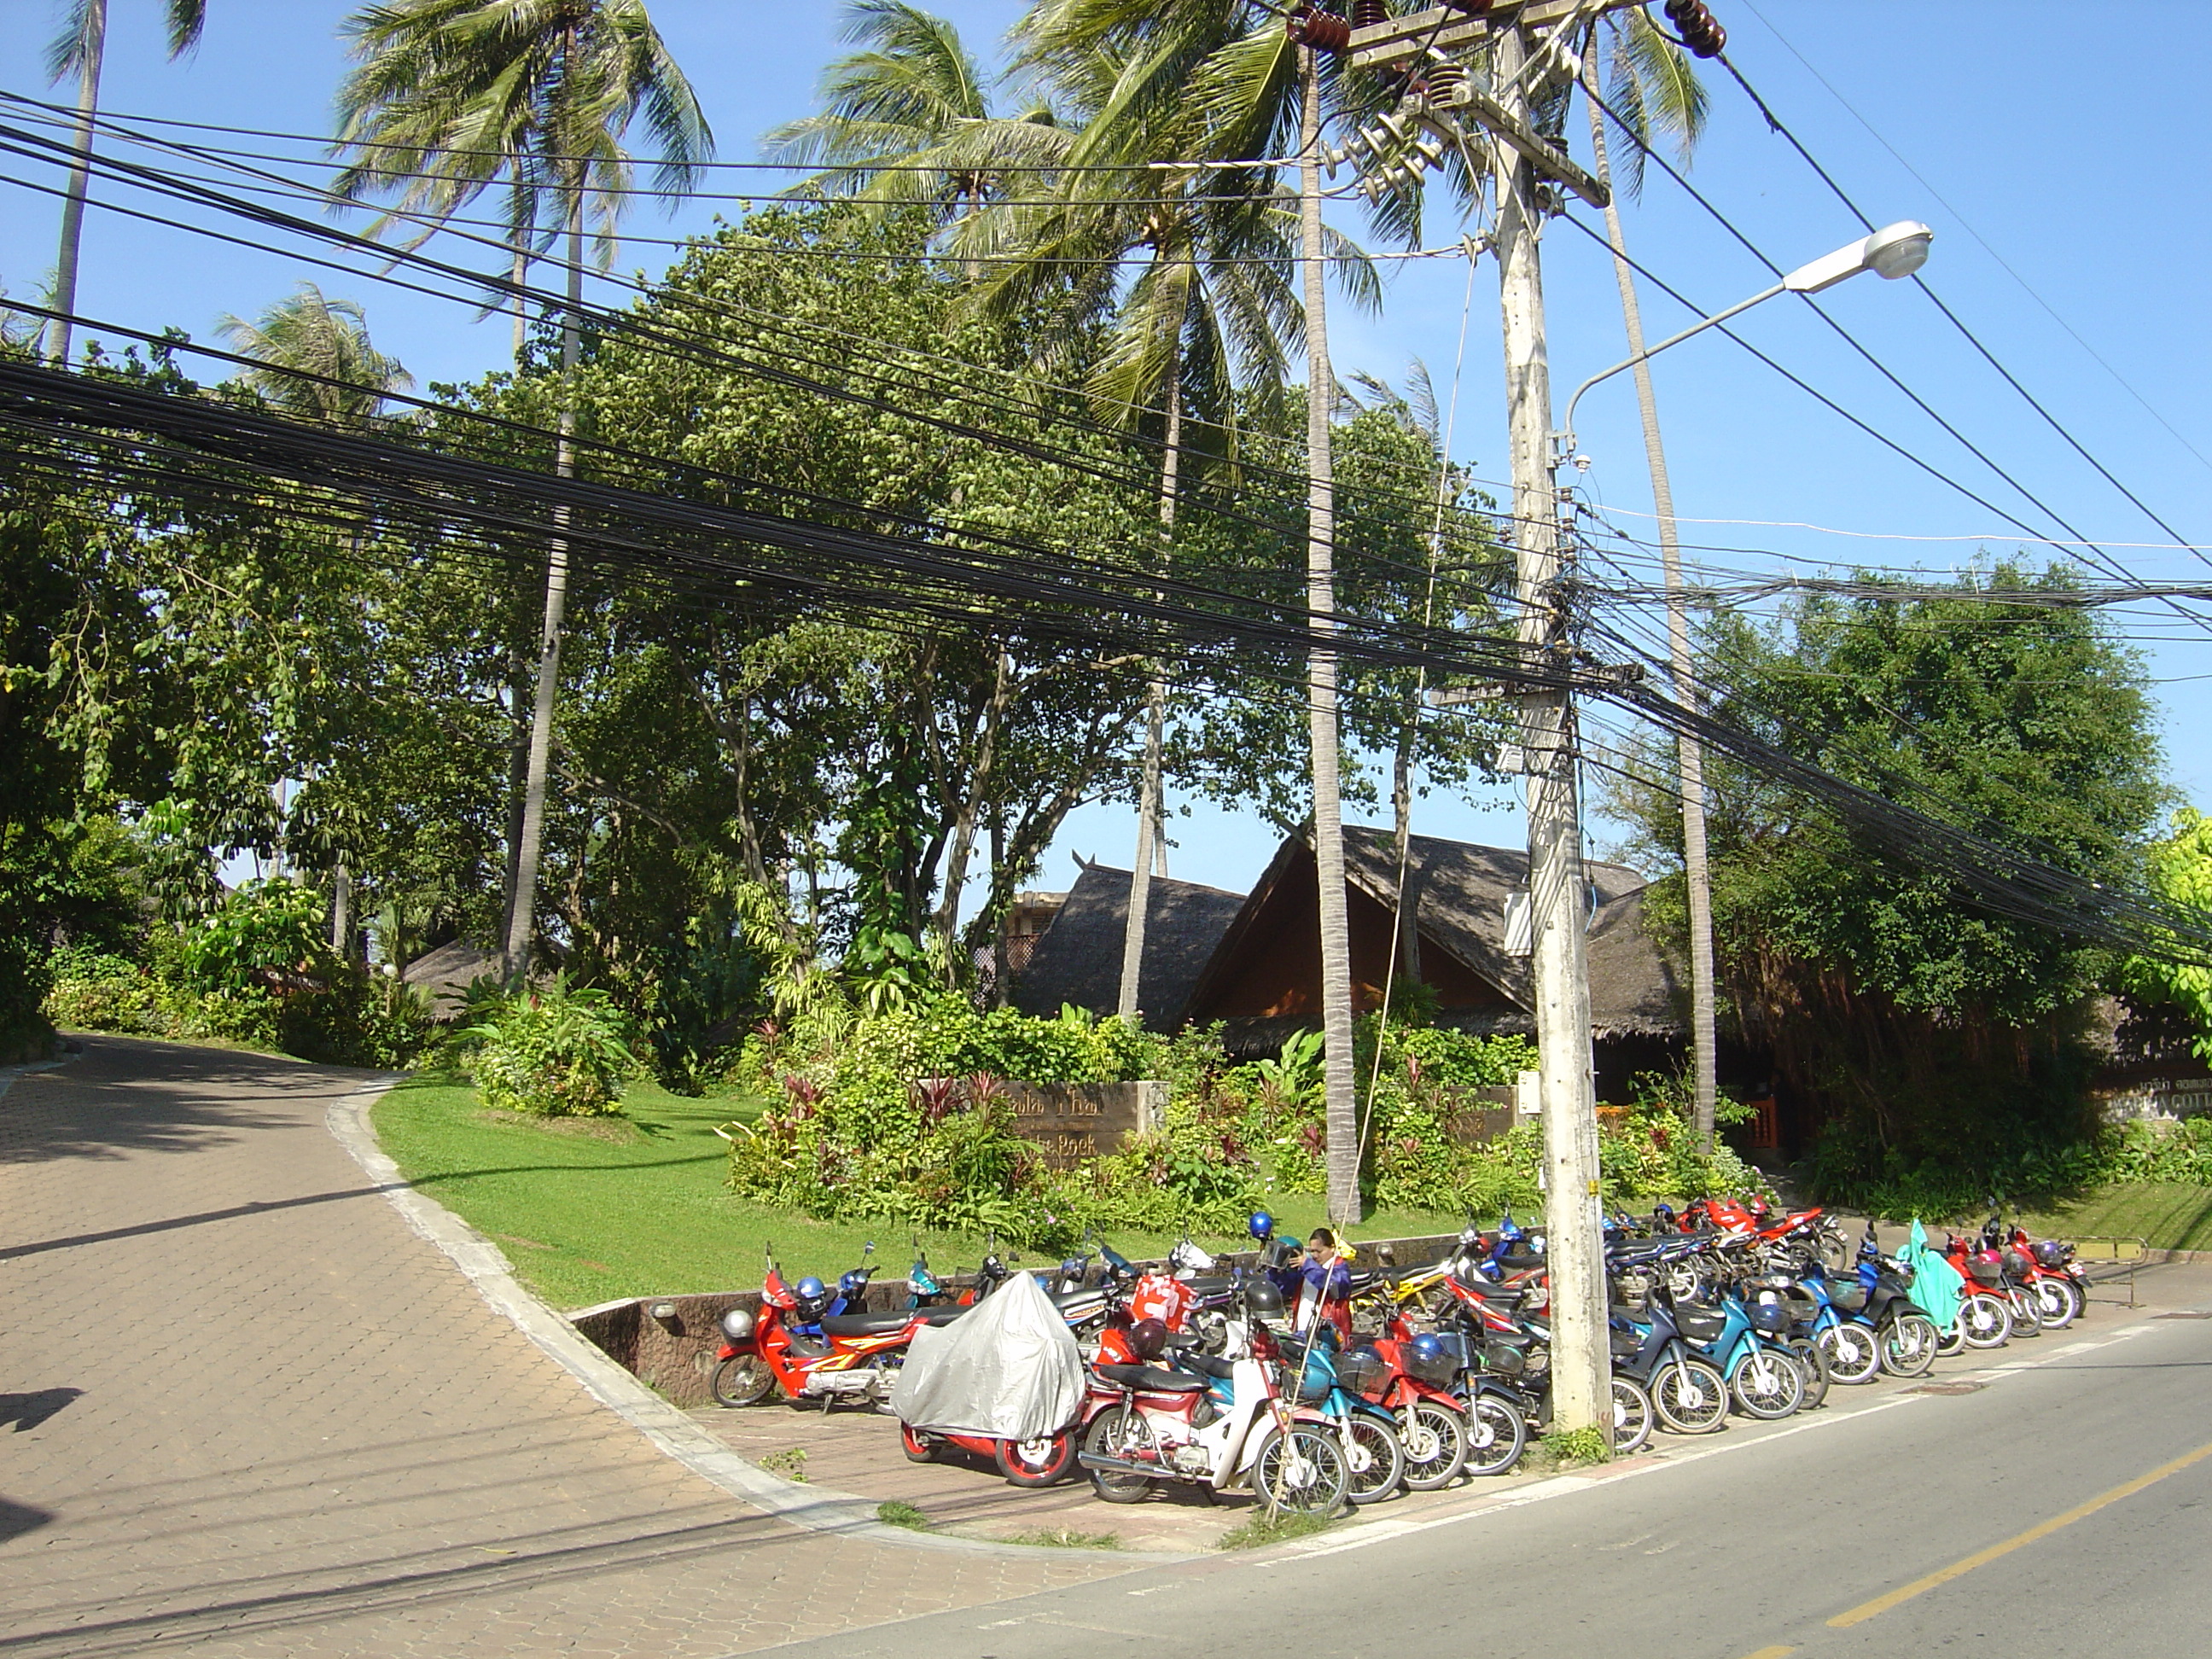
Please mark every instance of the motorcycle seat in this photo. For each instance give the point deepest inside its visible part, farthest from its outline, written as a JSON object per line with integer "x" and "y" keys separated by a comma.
{"x": 1211, "y": 1286}
{"x": 1207, "y": 1365}
{"x": 1150, "y": 1379}
{"x": 1514, "y": 1264}
{"x": 874, "y": 1324}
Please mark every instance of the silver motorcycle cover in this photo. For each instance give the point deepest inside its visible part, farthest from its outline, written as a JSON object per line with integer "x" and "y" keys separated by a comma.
{"x": 1007, "y": 1368}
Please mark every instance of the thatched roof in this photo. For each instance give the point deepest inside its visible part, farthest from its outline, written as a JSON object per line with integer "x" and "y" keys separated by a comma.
{"x": 446, "y": 974}
{"x": 1079, "y": 959}
{"x": 1461, "y": 891}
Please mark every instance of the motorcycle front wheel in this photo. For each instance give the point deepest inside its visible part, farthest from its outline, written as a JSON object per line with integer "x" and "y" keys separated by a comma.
{"x": 918, "y": 1448}
{"x": 1435, "y": 1439}
{"x": 1121, "y": 1431}
{"x": 1853, "y": 1352}
{"x": 1303, "y": 1473}
{"x": 1376, "y": 1459}
{"x": 1497, "y": 1434}
{"x": 2020, "y": 1301}
{"x": 1766, "y": 1384}
{"x": 1632, "y": 1413}
{"x": 1815, "y": 1365}
{"x": 2057, "y": 1302}
{"x": 1910, "y": 1344}
{"x": 1690, "y": 1397}
{"x": 743, "y": 1379}
{"x": 1984, "y": 1322}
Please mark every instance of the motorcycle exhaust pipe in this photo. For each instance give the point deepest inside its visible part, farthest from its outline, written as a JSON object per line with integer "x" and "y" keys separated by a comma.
{"x": 1100, "y": 1461}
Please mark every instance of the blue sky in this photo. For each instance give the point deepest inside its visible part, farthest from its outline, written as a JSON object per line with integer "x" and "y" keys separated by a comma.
{"x": 2046, "y": 137}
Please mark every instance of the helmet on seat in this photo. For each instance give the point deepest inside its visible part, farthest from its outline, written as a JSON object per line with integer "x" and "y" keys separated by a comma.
{"x": 1263, "y": 1299}
{"x": 813, "y": 1299}
{"x": 1148, "y": 1339}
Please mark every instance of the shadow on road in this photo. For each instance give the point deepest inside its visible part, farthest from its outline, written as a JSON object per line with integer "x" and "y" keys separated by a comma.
{"x": 16, "y": 1519}
{"x": 27, "y": 1410}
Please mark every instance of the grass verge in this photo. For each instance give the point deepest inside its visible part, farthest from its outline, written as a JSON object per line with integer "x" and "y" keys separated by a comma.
{"x": 1062, "y": 1538}
{"x": 2164, "y": 1216}
{"x": 588, "y": 1210}
{"x": 1264, "y": 1529}
{"x": 892, "y": 1513}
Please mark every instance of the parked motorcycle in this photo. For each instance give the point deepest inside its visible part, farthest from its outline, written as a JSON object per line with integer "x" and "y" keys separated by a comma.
{"x": 795, "y": 1345}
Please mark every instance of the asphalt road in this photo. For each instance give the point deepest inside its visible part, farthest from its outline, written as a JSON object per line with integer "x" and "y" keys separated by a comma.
{"x": 2063, "y": 1509}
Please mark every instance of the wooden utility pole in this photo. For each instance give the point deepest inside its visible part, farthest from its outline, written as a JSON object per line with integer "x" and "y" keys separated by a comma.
{"x": 1557, "y": 889}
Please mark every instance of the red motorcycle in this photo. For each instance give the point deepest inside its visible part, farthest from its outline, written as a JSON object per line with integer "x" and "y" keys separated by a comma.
{"x": 1411, "y": 1380}
{"x": 2059, "y": 1283}
{"x": 854, "y": 1356}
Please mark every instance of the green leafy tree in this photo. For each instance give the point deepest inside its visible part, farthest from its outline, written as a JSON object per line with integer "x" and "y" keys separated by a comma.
{"x": 2180, "y": 869}
{"x": 1933, "y": 1031}
{"x": 318, "y": 361}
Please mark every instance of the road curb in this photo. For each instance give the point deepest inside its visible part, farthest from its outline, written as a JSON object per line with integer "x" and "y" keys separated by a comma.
{"x": 814, "y": 1508}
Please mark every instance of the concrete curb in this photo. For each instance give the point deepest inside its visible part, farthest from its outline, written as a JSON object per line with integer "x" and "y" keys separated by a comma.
{"x": 815, "y": 1508}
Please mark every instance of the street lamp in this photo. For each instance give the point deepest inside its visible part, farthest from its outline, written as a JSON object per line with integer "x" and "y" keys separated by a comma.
{"x": 1893, "y": 252}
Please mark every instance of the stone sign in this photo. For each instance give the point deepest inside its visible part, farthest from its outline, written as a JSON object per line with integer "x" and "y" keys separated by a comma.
{"x": 1073, "y": 1121}
{"x": 1480, "y": 1115}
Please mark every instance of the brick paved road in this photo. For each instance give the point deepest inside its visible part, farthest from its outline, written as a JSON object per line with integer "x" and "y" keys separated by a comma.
{"x": 244, "y": 1411}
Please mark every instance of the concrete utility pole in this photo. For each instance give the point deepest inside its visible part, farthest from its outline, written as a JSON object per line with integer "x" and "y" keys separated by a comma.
{"x": 1582, "y": 1389}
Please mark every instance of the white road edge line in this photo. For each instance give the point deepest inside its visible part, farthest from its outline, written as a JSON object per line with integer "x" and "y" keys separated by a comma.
{"x": 815, "y": 1509}
{"x": 1562, "y": 1485}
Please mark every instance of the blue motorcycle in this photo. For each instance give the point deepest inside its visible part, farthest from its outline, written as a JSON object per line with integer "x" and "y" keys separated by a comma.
{"x": 1748, "y": 1345}
{"x": 1331, "y": 1382}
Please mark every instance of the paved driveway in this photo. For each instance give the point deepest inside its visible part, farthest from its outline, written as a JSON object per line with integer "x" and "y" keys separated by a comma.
{"x": 245, "y": 1410}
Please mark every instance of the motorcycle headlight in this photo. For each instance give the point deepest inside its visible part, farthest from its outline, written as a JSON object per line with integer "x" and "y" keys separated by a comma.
{"x": 738, "y": 1324}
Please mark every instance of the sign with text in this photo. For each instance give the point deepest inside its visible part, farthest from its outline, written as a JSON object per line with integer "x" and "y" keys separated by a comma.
{"x": 1074, "y": 1121}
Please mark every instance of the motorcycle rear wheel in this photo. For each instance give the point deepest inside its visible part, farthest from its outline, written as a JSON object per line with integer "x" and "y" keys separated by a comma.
{"x": 1984, "y": 1321}
{"x": 1910, "y": 1344}
{"x": 1435, "y": 1438}
{"x": 1497, "y": 1434}
{"x": 918, "y": 1448}
{"x": 1374, "y": 1457}
{"x": 1044, "y": 1461}
{"x": 1690, "y": 1397}
{"x": 1766, "y": 1384}
{"x": 1303, "y": 1472}
{"x": 1121, "y": 1431}
{"x": 743, "y": 1379}
{"x": 1853, "y": 1352}
{"x": 1633, "y": 1416}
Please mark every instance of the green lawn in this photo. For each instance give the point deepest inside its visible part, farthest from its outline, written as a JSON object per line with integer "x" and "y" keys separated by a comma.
{"x": 590, "y": 1210}
{"x": 2167, "y": 1217}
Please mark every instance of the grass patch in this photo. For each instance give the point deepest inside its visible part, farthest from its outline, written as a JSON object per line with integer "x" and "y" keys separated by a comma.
{"x": 1264, "y": 1529}
{"x": 2165, "y": 1216}
{"x": 1063, "y": 1538}
{"x": 790, "y": 1463}
{"x": 601, "y": 1208}
{"x": 1572, "y": 1448}
{"x": 892, "y": 1513}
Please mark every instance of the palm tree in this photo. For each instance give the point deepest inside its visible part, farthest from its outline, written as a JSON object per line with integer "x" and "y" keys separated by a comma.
{"x": 79, "y": 49}
{"x": 1207, "y": 312}
{"x": 908, "y": 121}
{"x": 542, "y": 90}
{"x": 1654, "y": 87}
{"x": 1254, "y": 93}
{"x": 319, "y": 364}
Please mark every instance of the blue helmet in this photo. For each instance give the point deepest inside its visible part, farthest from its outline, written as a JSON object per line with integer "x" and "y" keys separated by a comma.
{"x": 1429, "y": 1349}
{"x": 811, "y": 1289}
{"x": 1262, "y": 1226}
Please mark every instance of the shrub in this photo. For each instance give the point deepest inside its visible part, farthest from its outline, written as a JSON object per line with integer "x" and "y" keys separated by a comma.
{"x": 266, "y": 934}
{"x": 553, "y": 1052}
{"x": 95, "y": 991}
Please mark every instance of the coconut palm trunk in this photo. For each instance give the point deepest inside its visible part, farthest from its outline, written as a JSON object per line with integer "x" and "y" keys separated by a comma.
{"x": 1689, "y": 756}
{"x": 522, "y": 917}
{"x": 93, "y": 48}
{"x": 1343, "y": 1120}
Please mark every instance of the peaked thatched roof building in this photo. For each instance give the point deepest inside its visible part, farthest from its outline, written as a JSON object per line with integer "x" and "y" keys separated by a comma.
{"x": 1254, "y": 962}
{"x": 1078, "y": 959}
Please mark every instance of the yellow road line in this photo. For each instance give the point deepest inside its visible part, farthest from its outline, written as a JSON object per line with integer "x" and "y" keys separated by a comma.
{"x": 1881, "y": 1604}
{"x": 1771, "y": 1653}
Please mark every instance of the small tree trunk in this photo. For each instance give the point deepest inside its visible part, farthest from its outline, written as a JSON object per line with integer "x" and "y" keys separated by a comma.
{"x": 80, "y": 182}
{"x": 342, "y": 912}
{"x": 1343, "y": 1114}
{"x": 521, "y": 920}
{"x": 1409, "y": 879}
{"x": 1689, "y": 756}
{"x": 1148, "y": 794}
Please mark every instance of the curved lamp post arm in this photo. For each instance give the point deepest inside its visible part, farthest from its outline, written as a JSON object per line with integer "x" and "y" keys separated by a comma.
{"x": 1894, "y": 251}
